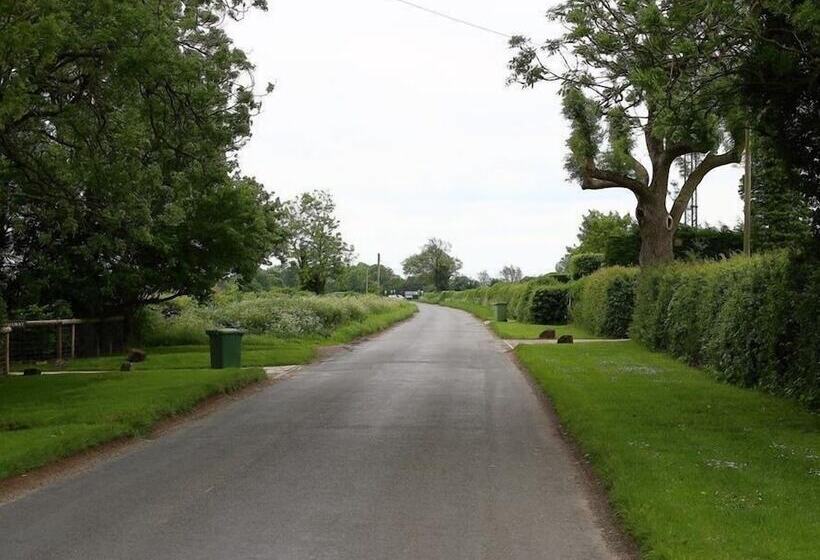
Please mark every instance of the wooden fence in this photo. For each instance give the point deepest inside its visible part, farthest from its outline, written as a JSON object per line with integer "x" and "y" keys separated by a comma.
{"x": 59, "y": 340}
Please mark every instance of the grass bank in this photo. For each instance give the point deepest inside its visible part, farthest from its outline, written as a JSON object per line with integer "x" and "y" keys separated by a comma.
{"x": 695, "y": 468}
{"x": 46, "y": 418}
{"x": 514, "y": 329}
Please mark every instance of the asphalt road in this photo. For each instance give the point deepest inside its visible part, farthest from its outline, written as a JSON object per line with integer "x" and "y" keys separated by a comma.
{"x": 423, "y": 443}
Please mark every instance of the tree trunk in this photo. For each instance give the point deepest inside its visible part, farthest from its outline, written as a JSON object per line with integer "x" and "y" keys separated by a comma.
{"x": 657, "y": 231}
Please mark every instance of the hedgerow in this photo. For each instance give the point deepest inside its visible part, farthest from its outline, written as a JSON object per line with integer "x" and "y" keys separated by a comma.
{"x": 584, "y": 264}
{"x": 603, "y": 302}
{"x": 550, "y": 305}
{"x": 517, "y": 296}
{"x": 277, "y": 314}
{"x": 754, "y": 322}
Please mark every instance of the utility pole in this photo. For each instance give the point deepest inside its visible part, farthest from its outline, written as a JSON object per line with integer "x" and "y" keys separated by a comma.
{"x": 747, "y": 198}
{"x": 379, "y": 272}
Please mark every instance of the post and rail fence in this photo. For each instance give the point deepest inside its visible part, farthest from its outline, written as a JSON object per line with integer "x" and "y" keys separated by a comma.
{"x": 59, "y": 340}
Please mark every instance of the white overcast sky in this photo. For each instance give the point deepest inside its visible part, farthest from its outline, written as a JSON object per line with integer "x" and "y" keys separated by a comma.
{"x": 406, "y": 119}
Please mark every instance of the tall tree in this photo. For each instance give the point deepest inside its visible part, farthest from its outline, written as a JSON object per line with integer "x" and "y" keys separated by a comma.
{"x": 434, "y": 264}
{"x": 781, "y": 84}
{"x": 484, "y": 278}
{"x": 119, "y": 126}
{"x": 663, "y": 72}
{"x": 511, "y": 273}
{"x": 314, "y": 244}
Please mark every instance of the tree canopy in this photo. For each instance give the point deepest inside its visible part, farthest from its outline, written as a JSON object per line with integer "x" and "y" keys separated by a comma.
{"x": 314, "y": 244}
{"x": 433, "y": 264}
{"x": 781, "y": 84}
{"x": 665, "y": 73}
{"x": 119, "y": 126}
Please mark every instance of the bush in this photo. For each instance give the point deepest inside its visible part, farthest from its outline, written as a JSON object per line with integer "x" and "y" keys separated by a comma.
{"x": 273, "y": 313}
{"x": 584, "y": 264}
{"x": 690, "y": 244}
{"x": 754, "y": 322}
{"x": 623, "y": 250}
{"x": 550, "y": 305}
{"x": 603, "y": 302}
{"x": 517, "y": 296}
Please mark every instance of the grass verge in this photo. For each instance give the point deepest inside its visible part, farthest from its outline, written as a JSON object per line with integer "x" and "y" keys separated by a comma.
{"x": 514, "y": 329}
{"x": 46, "y": 418}
{"x": 695, "y": 468}
{"x": 257, "y": 350}
{"x": 523, "y": 331}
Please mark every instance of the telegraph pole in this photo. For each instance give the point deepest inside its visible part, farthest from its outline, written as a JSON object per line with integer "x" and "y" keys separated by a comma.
{"x": 747, "y": 198}
{"x": 379, "y": 272}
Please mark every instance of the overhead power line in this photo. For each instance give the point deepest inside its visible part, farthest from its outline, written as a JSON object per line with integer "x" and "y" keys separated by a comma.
{"x": 453, "y": 18}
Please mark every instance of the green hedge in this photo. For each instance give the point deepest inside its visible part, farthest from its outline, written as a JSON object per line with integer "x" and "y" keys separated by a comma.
{"x": 690, "y": 243}
{"x": 754, "y": 322}
{"x": 604, "y": 301}
{"x": 584, "y": 264}
{"x": 518, "y": 296}
{"x": 550, "y": 305}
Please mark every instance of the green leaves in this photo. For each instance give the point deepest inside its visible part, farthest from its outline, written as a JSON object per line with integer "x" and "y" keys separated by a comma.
{"x": 119, "y": 123}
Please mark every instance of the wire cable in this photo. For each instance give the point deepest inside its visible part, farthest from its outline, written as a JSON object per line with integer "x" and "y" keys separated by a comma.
{"x": 453, "y": 18}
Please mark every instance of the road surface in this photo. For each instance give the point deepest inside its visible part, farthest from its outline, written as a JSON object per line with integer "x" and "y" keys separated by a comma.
{"x": 423, "y": 443}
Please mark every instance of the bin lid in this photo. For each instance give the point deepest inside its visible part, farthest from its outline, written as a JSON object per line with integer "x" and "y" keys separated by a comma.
{"x": 224, "y": 331}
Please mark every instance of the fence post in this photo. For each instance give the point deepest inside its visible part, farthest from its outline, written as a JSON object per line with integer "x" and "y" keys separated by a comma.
{"x": 59, "y": 342}
{"x": 6, "y": 332}
{"x": 73, "y": 340}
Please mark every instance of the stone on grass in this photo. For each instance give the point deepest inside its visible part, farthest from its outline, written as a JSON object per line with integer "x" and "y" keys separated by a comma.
{"x": 566, "y": 339}
{"x": 126, "y": 366}
{"x": 548, "y": 334}
{"x": 136, "y": 355}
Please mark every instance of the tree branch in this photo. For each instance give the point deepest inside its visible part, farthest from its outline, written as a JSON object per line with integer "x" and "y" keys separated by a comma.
{"x": 593, "y": 178}
{"x": 710, "y": 162}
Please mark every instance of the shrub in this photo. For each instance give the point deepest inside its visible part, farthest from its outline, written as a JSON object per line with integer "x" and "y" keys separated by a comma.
{"x": 623, "y": 250}
{"x": 517, "y": 296}
{"x": 274, "y": 313}
{"x": 550, "y": 305}
{"x": 584, "y": 264}
{"x": 603, "y": 302}
{"x": 754, "y": 322}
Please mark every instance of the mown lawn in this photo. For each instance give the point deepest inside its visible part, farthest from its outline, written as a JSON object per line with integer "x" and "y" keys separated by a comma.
{"x": 696, "y": 469}
{"x": 257, "y": 350}
{"x": 45, "y": 418}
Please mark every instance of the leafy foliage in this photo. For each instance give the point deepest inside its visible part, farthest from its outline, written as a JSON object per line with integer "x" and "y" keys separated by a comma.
{"x": 314, "y": 245}
{"x": 667, "y": 73}
{"x": 119, "y": 126}
{"x": 511, "y": 273}
{"x": 517, "y": 296}
{"x": 781, "y": 84}
{"x": 604, "y": 301}
{"x": 433, "y": 264}
{"x": 781, "y": 217}
{"x": 550, "y": 305}
{"x": 595, "y": 231}
{"x": 276, "y": 314}
{"x": 754, "y": 322}
{"x": 584, "y": 264}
